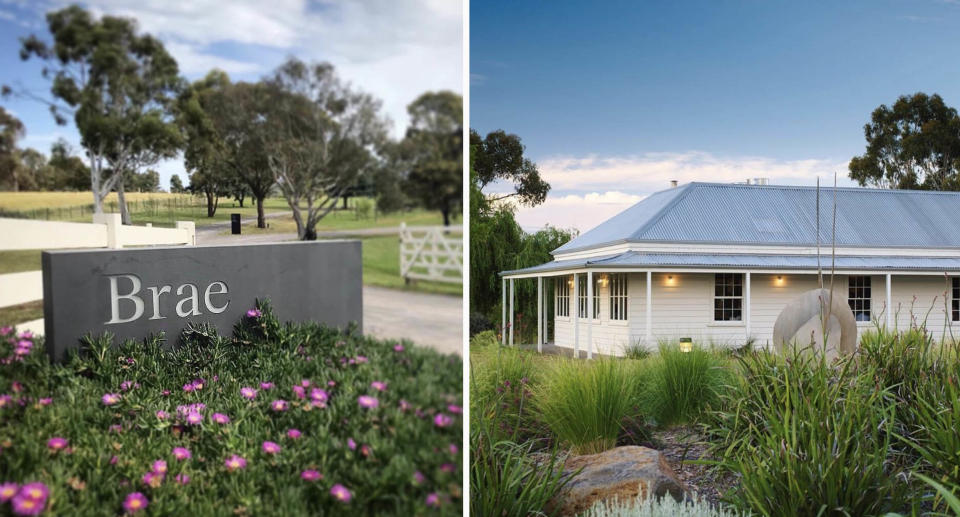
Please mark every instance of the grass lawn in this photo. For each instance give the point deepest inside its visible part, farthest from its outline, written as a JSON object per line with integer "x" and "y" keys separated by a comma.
{"x": 271, "y": 420}
{"x": 345, "y": 220}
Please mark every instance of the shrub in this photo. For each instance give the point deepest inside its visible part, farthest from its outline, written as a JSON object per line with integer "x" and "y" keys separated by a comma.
{"x": 485, "y": 338}
{"x": 585, "y": 403}
{"x": 480, "y": 323}
{"x": 364, "y": 207}
{"x": 636, "y": 351}
{"x": 684, "y": 384}
{"x": 936, "y": 435}
{"x": 390, "y": 457}
{"x": 653, "y": 507}
{"x": 808, "y": 437}
{"x": 500, "y": 391}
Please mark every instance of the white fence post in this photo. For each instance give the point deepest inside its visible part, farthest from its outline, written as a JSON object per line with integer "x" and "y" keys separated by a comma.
{"x": 191, "y": 229}
{"x": 113, "y": 223}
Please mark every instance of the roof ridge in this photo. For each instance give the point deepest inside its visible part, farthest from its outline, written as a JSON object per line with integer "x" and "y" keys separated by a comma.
{"x": 813, "y": 187}
{"x": 663, "y": 210}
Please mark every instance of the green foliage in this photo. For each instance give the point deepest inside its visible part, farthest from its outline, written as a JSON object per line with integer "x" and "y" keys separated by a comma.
{"x": 433, "y": 147}
{"x": 683, "y": 385}
{"x": 636, "y": 351}
{"x": 654, "y": 507}
{"x": 585, "y": 404}
{"x": 915, "y": 144}
{"x": 364, "y": 208}
{"x": 485, "y": 338}
{"x": 807, "y": 437}
{"x": 499, "y": 156}
{"x": 934, "y": 432}
{"x": 397, "y": 442}
{"x": 11, "y": 130}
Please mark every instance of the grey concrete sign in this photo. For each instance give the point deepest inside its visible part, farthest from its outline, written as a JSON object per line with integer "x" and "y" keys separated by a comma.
{"x": 134, "y": 292}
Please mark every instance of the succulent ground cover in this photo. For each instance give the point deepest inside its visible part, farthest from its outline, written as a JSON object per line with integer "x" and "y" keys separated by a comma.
{"x": 277, "y": 419}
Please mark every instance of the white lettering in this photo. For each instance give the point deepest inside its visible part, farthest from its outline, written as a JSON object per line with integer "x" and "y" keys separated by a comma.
{"x": 222, "y": 289}
{"x": 115, "y": 298}
{"x": 194, "y": 300}
{"x": 156, "y": 301}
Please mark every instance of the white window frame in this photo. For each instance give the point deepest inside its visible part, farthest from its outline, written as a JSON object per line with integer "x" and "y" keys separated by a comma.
{"x": 955, "y": 298}
{"x": 721, "y": 283}
{"x": 862, "y": 287}
{"x": 562, "y": 295}
{"x": 618, "y": 297}
{"x": 581, "y": 296}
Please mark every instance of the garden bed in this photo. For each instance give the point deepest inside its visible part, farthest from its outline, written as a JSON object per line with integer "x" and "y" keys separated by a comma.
{"x": 275, "y": 420}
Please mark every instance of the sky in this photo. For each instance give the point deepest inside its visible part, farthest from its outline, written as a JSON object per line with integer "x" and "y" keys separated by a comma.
{"x": 393, "y": 49}
{"x": 615, "y": 99}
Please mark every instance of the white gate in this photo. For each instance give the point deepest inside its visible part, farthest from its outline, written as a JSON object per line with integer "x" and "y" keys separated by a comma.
{"x": 431, "y": 253}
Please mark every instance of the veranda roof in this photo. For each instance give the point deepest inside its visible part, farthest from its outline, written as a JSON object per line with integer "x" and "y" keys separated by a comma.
{"x": 719, "y": 213}
{"x": 640, "y": 260}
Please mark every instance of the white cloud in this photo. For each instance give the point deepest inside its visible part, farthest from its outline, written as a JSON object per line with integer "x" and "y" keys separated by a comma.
{"x": 393, "y": 49}
{"x": 585, "y": 191}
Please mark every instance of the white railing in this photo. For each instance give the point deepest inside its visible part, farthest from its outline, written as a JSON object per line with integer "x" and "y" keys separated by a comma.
{"x": 105, "y": 232}
{"x": 431, "y": 253}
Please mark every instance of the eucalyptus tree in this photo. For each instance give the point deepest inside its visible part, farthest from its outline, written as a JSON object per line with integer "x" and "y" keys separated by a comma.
{"x": 204, "y": 153}
{"x": 434, "y": 148}
{"x": 499, "y": 156}
{"x": 321, "y": 138}
{"x": 914, "y": 144}
{"x": 11, "y": 131}
{"x": 118, "y": 86}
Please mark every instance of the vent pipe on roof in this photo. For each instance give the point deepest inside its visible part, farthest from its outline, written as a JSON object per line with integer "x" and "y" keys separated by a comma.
{"x": 761, "y": 181}
{"x": 673, "y": 183}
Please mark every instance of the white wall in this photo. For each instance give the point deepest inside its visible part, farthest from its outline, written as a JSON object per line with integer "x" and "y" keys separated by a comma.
{"x": 683, "y": 307}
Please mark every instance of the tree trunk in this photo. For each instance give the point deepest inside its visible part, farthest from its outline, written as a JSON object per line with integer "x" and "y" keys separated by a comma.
{"x": 261, "y": 220}
{"x": 122, "y": 202}
{"x": 211, "y": 203}
{"x": 345, "y": 198}
{"x": 446, "y": 217}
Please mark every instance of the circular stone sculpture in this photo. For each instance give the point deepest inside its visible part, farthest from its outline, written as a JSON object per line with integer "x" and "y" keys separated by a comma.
{"x": 800, "y": 322}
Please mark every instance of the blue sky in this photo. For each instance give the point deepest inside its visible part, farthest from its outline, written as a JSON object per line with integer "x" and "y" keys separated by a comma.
{"x": 614, "y": 99}
{"x": 394, "y": 49}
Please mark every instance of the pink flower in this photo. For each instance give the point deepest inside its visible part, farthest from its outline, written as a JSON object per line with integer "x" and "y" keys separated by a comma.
{"x": 319, "y": 395}
{"x": 305, "y": 383}
{"x": 46, "y": 401}
{"x": 135, "y": 502}
{"x": 220, "y": 418}
{"x": 110, "y": 399}
{"x": 266, "y": 385}
{"x": 6, "y": 330}
{"x": 36, "y": 491}
{"x": 153, "y": 479}
{"x": 361, "y": 359}
{"x": 455, "y": 409}
{"x": 367, "y": 402}
{"x": 351, "y": 444}
{"x": 418, "y": 478}
{"x": 181, "y": 453}
{"x": 160, "y": 467}
{"x": 254, "y": 313}
{"x": 271, "y": 448}
{"x": 310, "y": 475}
{"x": 114, "y": 459}
{"x": 448, "y": 467}
{"x": 188, "y": 387}
{"x": 26, "y": 334}
{"x": 126, "y": 385}
{"x": 57, "y": 443}
{"x": 294, "y": 433}
{"x": 27, "y": 506}
{"x": 299, "y": 392}
{"x": 404, "y": 405}
{"x": 279, "y": 405}
{"x": 235, "y": 462}
{"x": 248, "y": 393}
{"x": 340, "y": 493}
{"x": 182, "y": 479}
{"x": 433, "y": 499}
{"x": 162, "y": 415}
{"x": 442, "y": 420}
{"x": 331, "y": 383}
{"x": 8, "y": 490}
{"x": 366, "y": 450}
{"x": 398, "y": 348}
{"x": 378, "y": 385}
{"x": 116, "y": 428}
{"x": 194, "y": 418}
{"x": 165, "y": 393}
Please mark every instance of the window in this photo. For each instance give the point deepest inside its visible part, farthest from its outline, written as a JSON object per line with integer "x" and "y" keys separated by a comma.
{"x": 618, "y": 297}
{"x": 859, "y": 297}
{"x": 955, "y": 300}
{"x": 728, "y": 297}
{"x": 563, "y": 296}
{"x": 581, "y": 296}
{"x": 596, "y": 297}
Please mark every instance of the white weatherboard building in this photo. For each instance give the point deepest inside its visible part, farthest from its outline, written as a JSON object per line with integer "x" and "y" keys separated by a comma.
{"x": 718, "y": 262}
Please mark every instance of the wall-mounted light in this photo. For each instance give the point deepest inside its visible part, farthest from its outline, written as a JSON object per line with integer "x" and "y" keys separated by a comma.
{"x": 779, "y": 280}
{"x": 570, "y": 282}
{"x": 604, "y": 280}
{"x": 671, "y": 280}
{"x": 686, "y": 344}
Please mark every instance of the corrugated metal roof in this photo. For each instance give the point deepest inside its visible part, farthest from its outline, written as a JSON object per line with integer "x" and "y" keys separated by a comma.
{"x": 633, "y": 259}
{"x": 715, "y": 213}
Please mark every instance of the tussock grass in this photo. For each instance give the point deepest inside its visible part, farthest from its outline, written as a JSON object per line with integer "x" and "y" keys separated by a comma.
{"x": 684, "y": 384}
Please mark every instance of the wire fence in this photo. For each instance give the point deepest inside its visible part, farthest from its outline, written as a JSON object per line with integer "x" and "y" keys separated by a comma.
{"x": 168, "y": 209}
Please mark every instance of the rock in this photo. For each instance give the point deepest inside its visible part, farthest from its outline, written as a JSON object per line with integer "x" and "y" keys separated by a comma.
{"x": 800, "y": 323}
{"x": 625, "y": 473}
